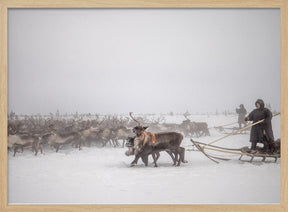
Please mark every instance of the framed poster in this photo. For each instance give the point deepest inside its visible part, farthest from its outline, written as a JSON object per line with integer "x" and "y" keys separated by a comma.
{"x": 79, "y": 68}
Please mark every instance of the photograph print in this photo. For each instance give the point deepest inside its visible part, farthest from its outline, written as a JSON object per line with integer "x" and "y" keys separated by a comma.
{"x": 143, "y": 106}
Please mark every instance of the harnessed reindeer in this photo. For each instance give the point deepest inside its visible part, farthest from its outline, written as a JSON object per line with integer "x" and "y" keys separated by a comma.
{"x": 146, "y": 143}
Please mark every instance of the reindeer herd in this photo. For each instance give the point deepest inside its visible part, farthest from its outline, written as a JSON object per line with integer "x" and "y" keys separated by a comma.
{"x": 35, "y": 133}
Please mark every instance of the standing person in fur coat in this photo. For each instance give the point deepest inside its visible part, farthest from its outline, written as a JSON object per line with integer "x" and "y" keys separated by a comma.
{"x": 262, "y": 132}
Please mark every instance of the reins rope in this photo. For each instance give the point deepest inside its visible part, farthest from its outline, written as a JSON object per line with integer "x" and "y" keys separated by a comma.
{"x": 223, "y": 125}
{"x": 218, "y": 147}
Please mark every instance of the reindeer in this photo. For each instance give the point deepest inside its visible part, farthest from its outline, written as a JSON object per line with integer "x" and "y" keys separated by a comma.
{"x": 190, "y": 128}
{"x": 121, "y": 133}
{"x": 146, "y": 143}
{"x": 20, "y": 135}
{"x": 202, "y": 129}
{"x": 89, "y": 135}
{"x": 19, "y": 142}
{"x": 155, "y": 154}
{"x": 58, "y": 139}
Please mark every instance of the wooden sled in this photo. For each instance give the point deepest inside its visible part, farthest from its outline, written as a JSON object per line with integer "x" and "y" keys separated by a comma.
{"x": 258, "y": 153}
{"x": 244, "y": 151}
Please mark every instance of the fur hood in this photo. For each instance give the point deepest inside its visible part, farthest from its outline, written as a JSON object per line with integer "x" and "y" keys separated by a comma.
{"x": 261, "y": 102}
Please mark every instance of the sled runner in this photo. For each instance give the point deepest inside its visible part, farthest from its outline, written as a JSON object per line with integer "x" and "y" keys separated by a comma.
{"x": 244, "y": 151}
{"x": 258, "y": 153}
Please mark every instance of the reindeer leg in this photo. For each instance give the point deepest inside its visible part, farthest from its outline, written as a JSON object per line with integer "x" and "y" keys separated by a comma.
{"x": 106, "y": 143}
{"x": 180, "y": 156}
{"x": 15, "y": 150}
{"x": 155, "y": 158}
{"x": 116, "y": 143}
{"x": 240, "y": 157}
{"x": 78, "y": 143}
{"x": 33, "y": 147}
{"x": 134, "y": 162}
{"x": 57, "y": 147}
{"x": 172, "y": 156}
{"x": 36, "y": 147}
{"x": 36, "y": 151}
{"x": 41, "y": 148}
{"x": 182, "y": 149}
{"x": 111, "y": 144}
{"x": 176, "y": 157}
{"x": 145, "y": 160}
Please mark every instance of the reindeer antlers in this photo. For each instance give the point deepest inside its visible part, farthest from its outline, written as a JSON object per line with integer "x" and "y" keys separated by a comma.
{"x": 186, "y": 116}
{"x": 101, "y": 121}
{"x": 134, "y": 119}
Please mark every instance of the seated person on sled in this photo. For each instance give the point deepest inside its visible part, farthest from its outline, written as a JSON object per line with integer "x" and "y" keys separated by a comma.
{"x": 262, "y": 132}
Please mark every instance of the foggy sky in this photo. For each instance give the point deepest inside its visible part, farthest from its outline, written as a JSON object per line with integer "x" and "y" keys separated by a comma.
{"x": 142, "y": 60}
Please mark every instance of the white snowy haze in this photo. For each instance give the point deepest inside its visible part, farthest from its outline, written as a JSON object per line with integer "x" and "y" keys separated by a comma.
{"x": 142, "y": 60}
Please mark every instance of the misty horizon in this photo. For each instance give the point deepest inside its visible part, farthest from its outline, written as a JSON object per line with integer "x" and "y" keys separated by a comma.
{"x": 112, "y": 61}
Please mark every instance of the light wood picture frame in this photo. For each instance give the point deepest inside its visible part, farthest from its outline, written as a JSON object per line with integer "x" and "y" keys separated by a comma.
{"x": 6, "y": 4}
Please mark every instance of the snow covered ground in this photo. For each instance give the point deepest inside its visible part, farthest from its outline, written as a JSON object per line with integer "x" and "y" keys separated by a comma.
{"x": 104, "y": 176}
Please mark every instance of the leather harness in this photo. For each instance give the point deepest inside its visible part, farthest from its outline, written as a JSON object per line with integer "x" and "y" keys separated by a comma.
{"x": 153, "y": 137}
